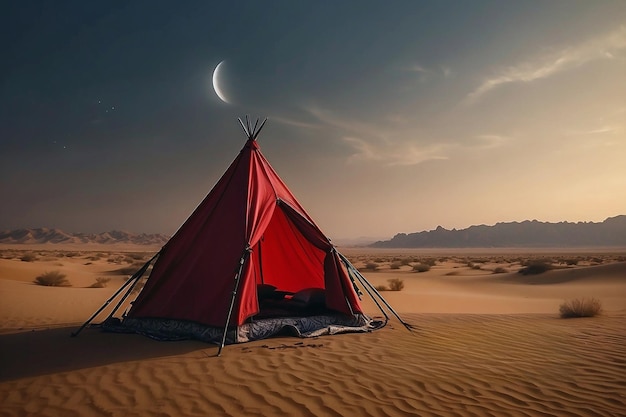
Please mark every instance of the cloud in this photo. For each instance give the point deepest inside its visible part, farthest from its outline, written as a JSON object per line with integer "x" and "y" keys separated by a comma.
{"x": 394, "y": 153}
{"x": 390, "y": 146}
{"x": 442, "y": 70}
{"x": 596, "y": 131}
{"x": 292, "y": 122}
{"x": 605, "y": 47}
{"x": 492, "y": 141}
{"x": 418, "y": 68}
{"x": 611, "y": 123}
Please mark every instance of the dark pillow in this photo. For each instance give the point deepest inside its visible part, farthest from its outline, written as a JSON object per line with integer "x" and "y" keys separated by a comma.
{"x": 265, "y": 291}
{"x": 310, "y": 296}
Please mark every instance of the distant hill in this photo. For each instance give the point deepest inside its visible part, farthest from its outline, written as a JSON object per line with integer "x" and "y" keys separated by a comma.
{"x": 611, "y": 232}
{"x": 45, "y": 235}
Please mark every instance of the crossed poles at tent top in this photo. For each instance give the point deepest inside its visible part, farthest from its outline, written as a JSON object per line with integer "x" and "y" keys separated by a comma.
{"x": 252, "y": 132}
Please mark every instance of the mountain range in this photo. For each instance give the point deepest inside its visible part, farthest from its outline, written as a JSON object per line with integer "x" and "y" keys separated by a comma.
{"x": 528, "y": 233}
{"x": 610, "y": 232}
{"x": 45, "y": 235}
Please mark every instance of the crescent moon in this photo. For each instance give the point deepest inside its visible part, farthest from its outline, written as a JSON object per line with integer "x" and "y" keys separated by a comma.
{"x": 216, "y": 85}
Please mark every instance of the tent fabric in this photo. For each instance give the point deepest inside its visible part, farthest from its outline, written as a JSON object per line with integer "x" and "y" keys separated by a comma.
{"x": 249, "y": 222}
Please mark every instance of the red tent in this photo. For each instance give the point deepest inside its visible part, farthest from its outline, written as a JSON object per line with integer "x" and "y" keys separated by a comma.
{"x": 249, "y": 230}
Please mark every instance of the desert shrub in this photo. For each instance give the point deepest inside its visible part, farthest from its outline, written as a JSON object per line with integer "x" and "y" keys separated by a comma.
{"x": 28, "y": 257}
{"x": 500, "y": 270}
{"x": 477, "y": 266}
{"x": 117, "y": 259}
{"x": 479, "y": 260}
{"x": 421, "y": 267}
{"x": 395, "y": 265}
{"x": 452, "y": 273}
{"x": 381, "y": 288}
{"x": 395, "y": 284}
{"x": 52, "y": 279}
{"x": 71, "y": 254}
{"x": 583, "y": 307}
{"x": 428, "y": 261}
{"x": 535, "y": 261}
{"x": 571, "y": 261}
{"x": 371, "y": 266}
{"x": 101, "y": 282}
{"x": 534, "y": 268}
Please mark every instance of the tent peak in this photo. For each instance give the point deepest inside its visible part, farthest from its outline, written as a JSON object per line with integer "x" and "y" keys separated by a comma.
{"x": 250, "y": 131}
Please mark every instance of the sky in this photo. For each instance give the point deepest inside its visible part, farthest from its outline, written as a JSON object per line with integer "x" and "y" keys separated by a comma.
{"x": 384, "y": 117}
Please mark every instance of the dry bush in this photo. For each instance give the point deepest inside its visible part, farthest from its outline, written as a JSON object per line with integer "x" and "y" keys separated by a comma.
{"x": 479, "y": 260}
{"x": 395, "y": 284}
{"x": 381, "y": 288}
{"x": 101, "y": 282}
{"x": 583, "y": 307}
{"x": 52, "y": 279}
{"x": 115, "y": 259}
{"x": 395, "y": 265}
{"x": 371, "y": 266}
{"x": 500, "y": 270}
{"x": 7, "y": 254}
{"x": 28, "y": 257}
{"x": 428, "y": 261}
{"x": 421, "y": 267}
{"x": 535, "y": 261}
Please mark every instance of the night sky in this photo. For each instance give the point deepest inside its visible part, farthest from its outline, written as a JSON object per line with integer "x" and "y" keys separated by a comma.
{"x": 383, "y": 116}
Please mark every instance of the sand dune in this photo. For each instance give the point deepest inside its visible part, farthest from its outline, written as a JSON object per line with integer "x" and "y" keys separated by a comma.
{"x": 484, "y": 344}
{"x": 598, "y": 274}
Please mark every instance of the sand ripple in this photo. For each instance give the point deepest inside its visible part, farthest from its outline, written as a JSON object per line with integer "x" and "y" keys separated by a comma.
{"x": 453, "y": 365}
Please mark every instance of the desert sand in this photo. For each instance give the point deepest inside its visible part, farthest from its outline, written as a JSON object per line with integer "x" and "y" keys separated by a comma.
{"x": 483, "y": 344}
